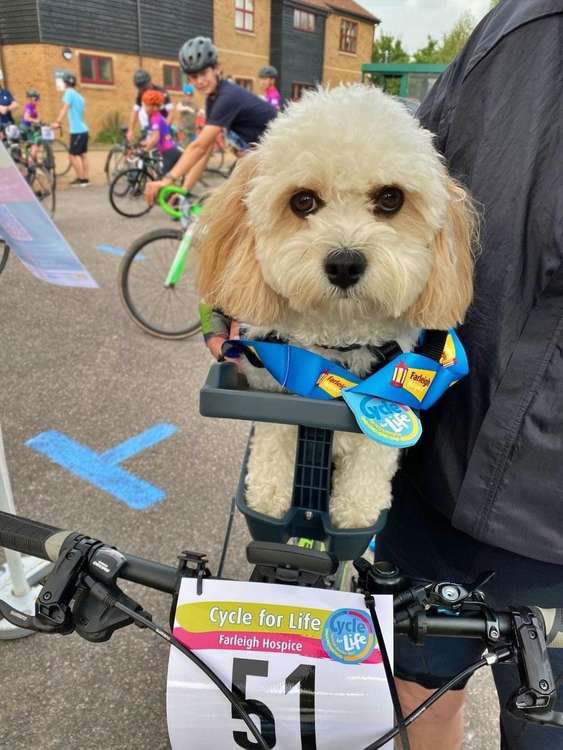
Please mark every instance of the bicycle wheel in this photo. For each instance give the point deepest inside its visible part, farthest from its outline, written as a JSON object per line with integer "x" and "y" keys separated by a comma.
{"x": 167, "y": 312}
{"x": 61, "y": 157}
{"x": 127, "y": 192}
{"x": 4, "y": 253}
{"x": 42, "y": 183}
{"x": 116, "y": 161}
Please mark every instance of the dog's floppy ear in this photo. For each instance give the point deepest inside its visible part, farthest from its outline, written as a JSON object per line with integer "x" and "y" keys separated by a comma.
{"x": 229, "y": 276}
{"x": 449, "y": 290}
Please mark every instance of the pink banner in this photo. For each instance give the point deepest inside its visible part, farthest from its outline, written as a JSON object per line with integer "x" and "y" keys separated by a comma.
{"x": 248, "y": 641}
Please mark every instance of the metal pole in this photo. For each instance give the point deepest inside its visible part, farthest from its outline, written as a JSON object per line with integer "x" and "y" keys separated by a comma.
{"x": 139, "y": 33}
{"x": 20, "y": 572}
{"x": 20, "y": 586}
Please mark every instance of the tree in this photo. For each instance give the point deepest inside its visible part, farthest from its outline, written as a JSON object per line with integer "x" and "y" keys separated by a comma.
{"x": 450, "y": 45}
{"x": 455, "y": 40}
{"x": 388, "y": 49}
{"x": 429, "y": 54}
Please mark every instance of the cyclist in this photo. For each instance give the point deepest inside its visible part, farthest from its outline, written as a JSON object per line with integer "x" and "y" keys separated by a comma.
{"x": 268, "y": 75}
{"x": 73, "y": 107}
{"x": 243, "y": 114}
{"x": 159, "y": 135}
{"x": 7, "y": 106}
{"x": 143, "y": 82}
{"x": 30, "y": 121}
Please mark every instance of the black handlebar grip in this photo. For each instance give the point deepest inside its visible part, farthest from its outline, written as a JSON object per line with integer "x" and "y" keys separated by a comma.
{"x": 31, "y": 537}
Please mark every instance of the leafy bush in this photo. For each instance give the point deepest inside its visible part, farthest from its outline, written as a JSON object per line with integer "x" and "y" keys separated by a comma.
{"x": 111, "y": 128}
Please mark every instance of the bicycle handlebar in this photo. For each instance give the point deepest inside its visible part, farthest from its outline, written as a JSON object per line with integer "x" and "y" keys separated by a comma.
{"x": 47, "y": 542}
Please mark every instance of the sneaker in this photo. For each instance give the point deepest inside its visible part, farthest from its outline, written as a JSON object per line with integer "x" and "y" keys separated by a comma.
{"x": 84, "y": 183}
{"x": 76, "y": 183}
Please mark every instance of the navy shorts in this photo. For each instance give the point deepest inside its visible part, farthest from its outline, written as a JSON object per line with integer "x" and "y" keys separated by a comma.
{"x": 78, "y": 144}
{"x": 423, "y": 543}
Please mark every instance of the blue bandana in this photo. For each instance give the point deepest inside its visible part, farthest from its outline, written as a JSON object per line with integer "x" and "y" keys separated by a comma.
{"x": 382, "y": 403}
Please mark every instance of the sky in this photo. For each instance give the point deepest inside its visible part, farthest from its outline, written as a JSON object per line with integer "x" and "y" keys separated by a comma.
{"x": 414, "y": 20}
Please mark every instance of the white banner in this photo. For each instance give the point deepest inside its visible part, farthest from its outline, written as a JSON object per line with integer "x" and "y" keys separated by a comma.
{"x": 305, "y": 662}
{"x": 31, "y": 234}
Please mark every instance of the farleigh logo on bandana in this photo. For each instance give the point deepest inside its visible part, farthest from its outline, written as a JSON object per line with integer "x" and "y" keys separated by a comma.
{"x": 333, "y": 384}
{"x": 413, "y": 379}
{"x": 448, "y": 357}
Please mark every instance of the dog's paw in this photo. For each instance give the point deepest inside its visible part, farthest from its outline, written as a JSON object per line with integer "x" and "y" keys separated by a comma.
{"x": 353, "y": 511}
{"x": 270, "y": 499}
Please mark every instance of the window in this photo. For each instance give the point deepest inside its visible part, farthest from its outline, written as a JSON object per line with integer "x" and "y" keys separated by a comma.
{"x": 171, "y": 77}
{"x": 244, "y": 15}
{"x": 96, "y": 69}
{"x": 348, "y": 36}
{"x": 303, "y": 21}
{"x": 246, "y": 83}
{"x": 298, "y": 88}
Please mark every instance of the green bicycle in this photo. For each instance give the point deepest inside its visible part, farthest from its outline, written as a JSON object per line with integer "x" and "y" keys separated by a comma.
{"x": 157, "y": 294}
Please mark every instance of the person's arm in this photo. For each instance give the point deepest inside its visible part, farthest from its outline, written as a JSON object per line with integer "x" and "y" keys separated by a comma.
{"x": 13, "y": 106}
{"x": 62, "y": 113}
{"x": 196, "y": 151}
{"x": 151, "y": 140}
{"x": 132, "y": 121}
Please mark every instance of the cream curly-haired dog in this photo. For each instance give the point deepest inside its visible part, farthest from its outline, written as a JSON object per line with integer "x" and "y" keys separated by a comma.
{"x": 341, "y": 228}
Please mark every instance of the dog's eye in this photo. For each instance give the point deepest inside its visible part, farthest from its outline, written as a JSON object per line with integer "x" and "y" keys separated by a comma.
{"x": 388, "y": 200}
{"x": 304, "y": 203}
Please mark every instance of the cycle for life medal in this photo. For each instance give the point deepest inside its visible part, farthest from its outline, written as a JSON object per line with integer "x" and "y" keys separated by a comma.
{"x": 305, "y": 662}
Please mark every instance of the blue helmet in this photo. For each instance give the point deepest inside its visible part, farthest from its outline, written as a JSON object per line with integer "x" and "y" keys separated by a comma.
{"x": 188, "y": 88}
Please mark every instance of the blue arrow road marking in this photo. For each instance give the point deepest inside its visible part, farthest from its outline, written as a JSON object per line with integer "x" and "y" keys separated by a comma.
{"x": 101, "y": 469}
{"x": 113, "y": 250}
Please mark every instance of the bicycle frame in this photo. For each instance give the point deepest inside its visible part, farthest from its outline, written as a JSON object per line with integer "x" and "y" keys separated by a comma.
{"x": 179, "y": 262}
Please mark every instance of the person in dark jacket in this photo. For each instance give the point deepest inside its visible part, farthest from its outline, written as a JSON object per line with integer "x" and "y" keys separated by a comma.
{"x": 483, "y": 489}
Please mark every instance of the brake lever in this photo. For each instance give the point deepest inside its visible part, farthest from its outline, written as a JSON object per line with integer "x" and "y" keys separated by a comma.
{"x": 32, "y": 622}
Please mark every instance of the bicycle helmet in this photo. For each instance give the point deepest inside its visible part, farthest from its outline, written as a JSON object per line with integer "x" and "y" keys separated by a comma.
{"x": 33, "y": 94}
{"x": 268, "y": 71}
{"x": 141, "y": 78}
{"x": 153, "y": 98}
{"x": 69, "y": 78}
{"x": 188, "y": 88}
{"x": 197, "y": 54}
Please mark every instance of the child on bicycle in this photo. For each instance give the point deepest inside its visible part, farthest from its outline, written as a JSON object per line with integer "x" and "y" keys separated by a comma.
{"x": 30, "y": 121}
{"x": 241, "y": 113}
{"x": 159, "y": 133}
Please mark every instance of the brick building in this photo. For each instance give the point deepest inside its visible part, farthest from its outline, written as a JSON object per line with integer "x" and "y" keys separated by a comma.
{"x": 103, "y": 42}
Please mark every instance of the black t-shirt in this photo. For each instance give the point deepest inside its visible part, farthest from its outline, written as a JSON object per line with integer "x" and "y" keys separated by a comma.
{"x": 234, "y": 108}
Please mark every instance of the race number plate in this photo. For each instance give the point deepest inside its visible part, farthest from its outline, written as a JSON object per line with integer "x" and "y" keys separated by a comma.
{"x": 47, "y": 133}
{"x": 305, "y": 662}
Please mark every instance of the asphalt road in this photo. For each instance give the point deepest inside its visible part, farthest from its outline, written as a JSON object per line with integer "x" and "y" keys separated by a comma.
{"x": 72, "y": 361}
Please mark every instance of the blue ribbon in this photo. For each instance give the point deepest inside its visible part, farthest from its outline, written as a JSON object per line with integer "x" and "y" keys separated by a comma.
{"x": 410, "y": 380}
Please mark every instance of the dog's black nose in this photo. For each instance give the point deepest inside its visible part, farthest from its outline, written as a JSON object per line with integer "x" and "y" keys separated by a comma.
{"x": 345, "y": 267}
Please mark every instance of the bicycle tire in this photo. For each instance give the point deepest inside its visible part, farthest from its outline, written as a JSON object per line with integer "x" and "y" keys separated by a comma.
{"x": 4, "y": 254}
{"x": 129, "y": 185}
{"x": 135, "y": 265}
{"x": 61, "y": 157}
{"x": 116, "y": 161}
{"x": 43, "y": 185}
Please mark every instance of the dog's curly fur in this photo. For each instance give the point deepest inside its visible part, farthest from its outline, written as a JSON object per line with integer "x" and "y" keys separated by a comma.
{"x": 266, "y": 266}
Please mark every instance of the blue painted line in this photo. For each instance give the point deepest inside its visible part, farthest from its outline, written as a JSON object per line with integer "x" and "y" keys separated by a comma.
{"x": 101, "y": 469}
{"x": 111, "y": 249}
{"x": 138, "y": 443}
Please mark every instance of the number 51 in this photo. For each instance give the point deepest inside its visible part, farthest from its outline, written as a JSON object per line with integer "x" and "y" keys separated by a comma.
{"x": 303, "y": 675}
